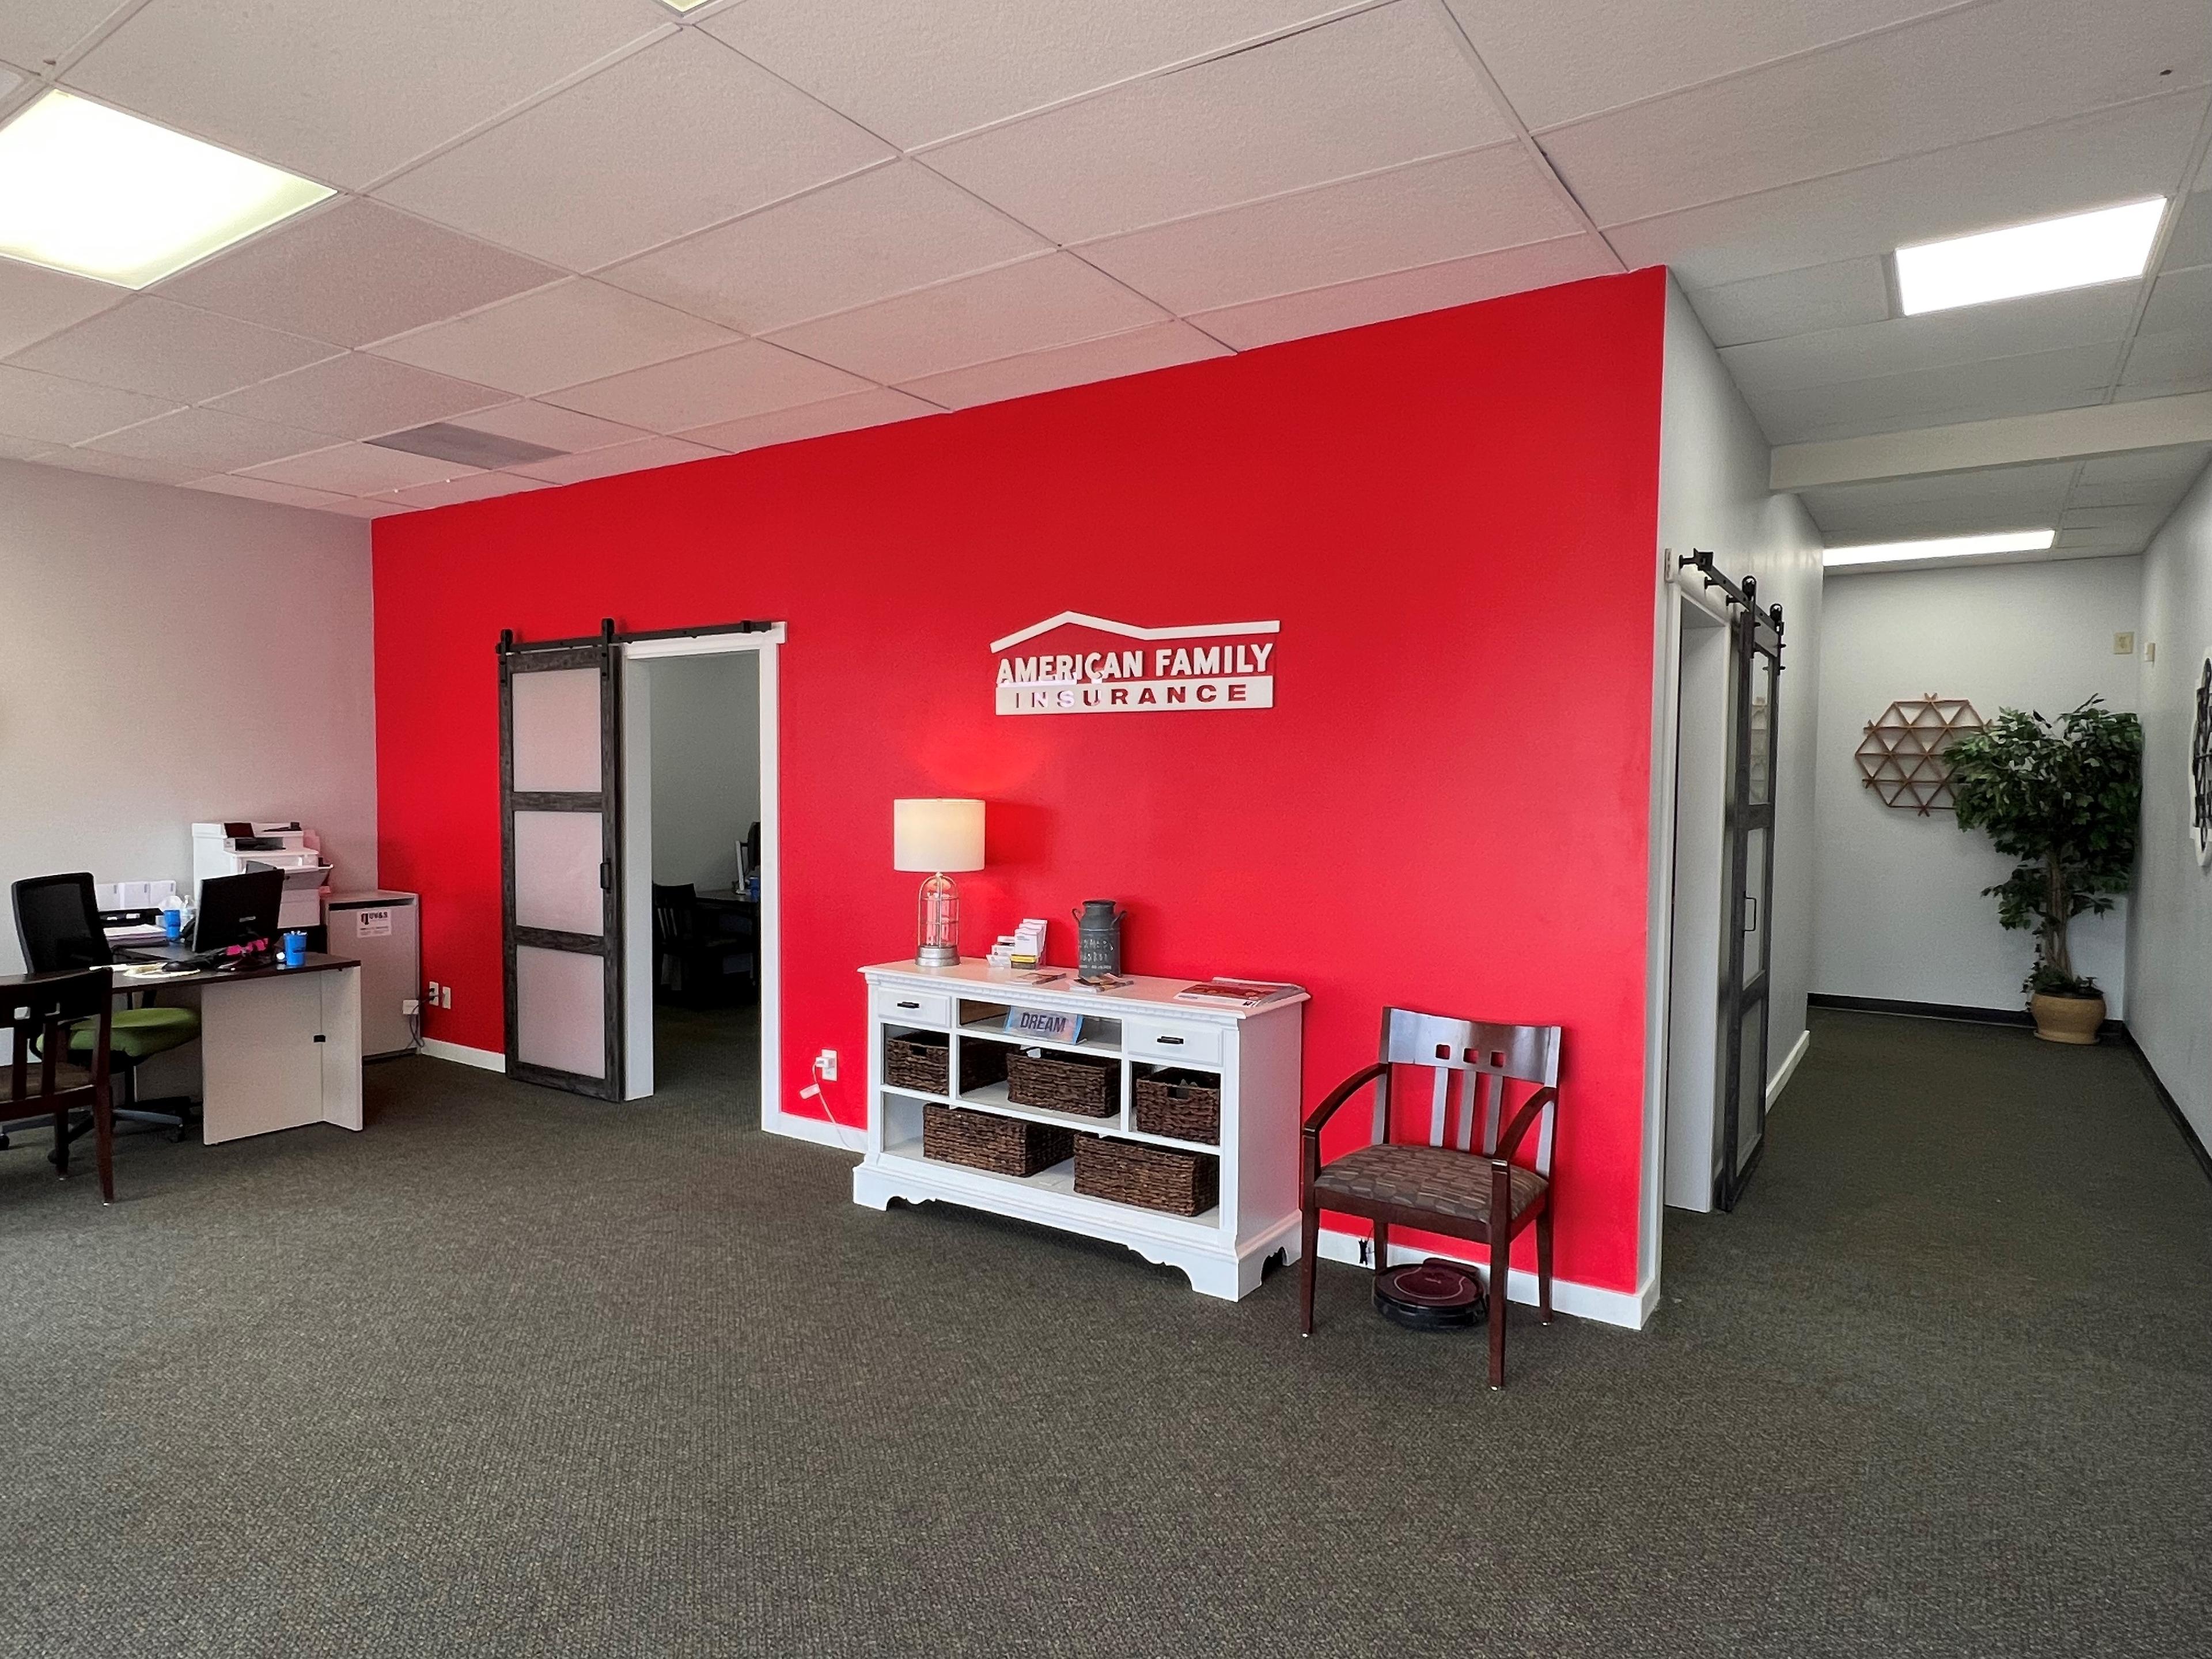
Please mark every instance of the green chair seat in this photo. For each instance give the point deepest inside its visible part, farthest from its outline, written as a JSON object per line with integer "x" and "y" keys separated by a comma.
{"x": 140, "y": 1033}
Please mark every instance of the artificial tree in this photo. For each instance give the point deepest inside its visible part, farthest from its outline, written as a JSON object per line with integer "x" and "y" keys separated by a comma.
{"x": 2064, "y": 800}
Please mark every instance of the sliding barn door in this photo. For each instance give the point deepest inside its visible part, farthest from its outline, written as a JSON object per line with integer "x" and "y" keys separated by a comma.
{"x": 561, "y": 833}
{"x": 1746, "y": 970}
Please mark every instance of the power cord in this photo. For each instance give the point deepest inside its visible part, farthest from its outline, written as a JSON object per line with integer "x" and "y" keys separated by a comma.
{"x": 814, "y": 1092}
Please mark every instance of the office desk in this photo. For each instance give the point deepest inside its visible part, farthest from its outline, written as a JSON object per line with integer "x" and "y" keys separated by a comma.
{"x": 278, "y": 1047}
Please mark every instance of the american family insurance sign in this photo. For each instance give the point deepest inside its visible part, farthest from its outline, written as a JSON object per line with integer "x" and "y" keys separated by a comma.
{"x": 1073, "y": 664}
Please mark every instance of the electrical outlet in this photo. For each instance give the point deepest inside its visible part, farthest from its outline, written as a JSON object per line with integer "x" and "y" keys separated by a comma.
{"x": 825, "y": 1063}
{"x": 2123, "y": 644}
{"x": 433, "y": 989}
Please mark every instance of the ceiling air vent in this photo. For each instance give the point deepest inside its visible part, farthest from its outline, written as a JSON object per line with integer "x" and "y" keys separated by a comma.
{"x": 441, "y": 441}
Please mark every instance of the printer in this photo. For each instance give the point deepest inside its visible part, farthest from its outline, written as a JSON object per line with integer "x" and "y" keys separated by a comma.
{"x": 229, "y": 849}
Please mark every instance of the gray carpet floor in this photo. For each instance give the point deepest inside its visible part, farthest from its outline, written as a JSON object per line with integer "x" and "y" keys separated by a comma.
{"x": 515, "y": 1373}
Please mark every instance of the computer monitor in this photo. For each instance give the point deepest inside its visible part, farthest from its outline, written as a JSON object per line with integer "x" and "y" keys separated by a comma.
{"x": 236, "y": 916}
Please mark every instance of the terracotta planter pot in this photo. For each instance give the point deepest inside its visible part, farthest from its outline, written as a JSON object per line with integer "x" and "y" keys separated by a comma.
{"x": 2067, "y": 1019}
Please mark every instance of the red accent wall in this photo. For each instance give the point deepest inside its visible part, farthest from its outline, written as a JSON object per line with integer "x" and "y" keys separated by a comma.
{"x": 1454, "y": 518}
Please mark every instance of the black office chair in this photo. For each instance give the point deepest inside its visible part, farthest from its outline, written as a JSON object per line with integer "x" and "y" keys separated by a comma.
{"x": 693, "y": 961}
{"x": 57, "y": 924}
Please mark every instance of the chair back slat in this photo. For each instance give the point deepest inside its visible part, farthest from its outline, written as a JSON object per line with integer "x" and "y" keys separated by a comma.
{"x": 1478, "y": 1059}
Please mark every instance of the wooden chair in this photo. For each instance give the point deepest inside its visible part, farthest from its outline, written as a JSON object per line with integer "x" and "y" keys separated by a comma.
{"x": 40, "y": 1014}
{"x": 1443, "y": 1187}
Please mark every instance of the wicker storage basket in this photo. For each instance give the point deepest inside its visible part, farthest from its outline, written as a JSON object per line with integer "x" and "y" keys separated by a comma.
{"x": 917, "y": 1060}
{"x": 1082, "y": 1084}
{"x": 1153, "y": 1177}
{"x": 1180, "y": 1105}
{"x": 984, "y": 1141}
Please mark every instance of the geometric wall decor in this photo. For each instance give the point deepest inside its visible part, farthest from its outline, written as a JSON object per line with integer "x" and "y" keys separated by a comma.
{"x": 1904, "y": 756}
{"x": 2200, "y": 764}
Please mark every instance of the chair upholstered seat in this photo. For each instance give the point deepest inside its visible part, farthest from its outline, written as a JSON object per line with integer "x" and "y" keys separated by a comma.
{"x": 1434, "y": 1178}
{"x": 140, "y": 1033}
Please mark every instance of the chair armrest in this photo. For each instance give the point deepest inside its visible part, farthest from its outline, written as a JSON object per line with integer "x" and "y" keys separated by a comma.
{"x": 1527, "y": 1114}
{"x": 1343, "y": 1091}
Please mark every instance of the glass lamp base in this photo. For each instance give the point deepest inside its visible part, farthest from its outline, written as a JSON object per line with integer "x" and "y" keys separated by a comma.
{"x": 938, "y": 936}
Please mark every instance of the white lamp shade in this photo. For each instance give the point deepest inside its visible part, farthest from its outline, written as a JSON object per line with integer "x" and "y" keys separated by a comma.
{"x": 930, "y": 835}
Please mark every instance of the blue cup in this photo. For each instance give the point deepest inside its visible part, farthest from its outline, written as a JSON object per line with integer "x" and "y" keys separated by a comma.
{"x": 295, "y": 949}
{"x": 172, "y": 925}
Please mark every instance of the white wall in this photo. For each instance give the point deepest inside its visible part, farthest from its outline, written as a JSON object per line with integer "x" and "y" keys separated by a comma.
{"x": 1713, "y": 493}
{"x": 171, "y": 655}
{"x": 2170, "y": 948}
{"x": 706, "y": 765}
{"x": 1900, "y": 910}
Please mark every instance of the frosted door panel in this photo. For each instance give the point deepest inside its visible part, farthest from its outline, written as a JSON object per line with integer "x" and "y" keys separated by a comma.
{"x": 561, "y": 1010}
{"x": 556, "y": 873}
{"x": 556, "y": 731}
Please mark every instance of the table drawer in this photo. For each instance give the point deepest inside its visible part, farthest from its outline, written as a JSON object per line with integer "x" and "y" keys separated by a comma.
{"x": 1190, "y": 1045}
{"x": 927, "y": 1009}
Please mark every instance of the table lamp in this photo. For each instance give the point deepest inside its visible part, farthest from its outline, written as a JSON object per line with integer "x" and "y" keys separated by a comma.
{"x": 934, "y": 836}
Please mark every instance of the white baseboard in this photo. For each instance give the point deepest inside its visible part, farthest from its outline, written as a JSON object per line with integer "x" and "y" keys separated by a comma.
{"x": 487, "y": 1060}
{"x": 1780, "y": 1080}
{"x": 820, "y": 1131}
{"x": 1583, "y": 1300}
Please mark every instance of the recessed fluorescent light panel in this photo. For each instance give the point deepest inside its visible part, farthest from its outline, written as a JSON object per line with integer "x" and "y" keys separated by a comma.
{"x": 682, "y": 5}
{"x": 2111, "y": 245}
{"x": 90, "y": 190}
{"x": 1943, "y": 547}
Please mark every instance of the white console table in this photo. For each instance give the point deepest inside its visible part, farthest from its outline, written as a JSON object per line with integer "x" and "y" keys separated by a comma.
{"x": 1255, "y": 1053}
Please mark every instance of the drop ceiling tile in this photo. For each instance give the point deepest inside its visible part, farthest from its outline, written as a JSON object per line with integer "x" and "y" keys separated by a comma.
{"x": 2091, "y": 161}
{"x": 265, "y": 489}
{"x": 1934, "y": 396}
{"x": 203, "y": 441}
{"x": 1421, "y": 215}
{"x": 2172, "y": 359}
{"x": 1948, "y": 79}
{"x": 356, "y": 272}
{"x": 2191, "y": 241}
{"x": 22, "y": 449}
{"x": 2096, "y": 543}
{"x": 2113, "y": 495}
{"x": 145, "y": 470}
{"x": 555, "y": 429}
{"x": 1053, "y": 301}
{"x": 359, "y": 469}
{"x": 2149, "y": 467}
{"x": 1402, "y": 293}
{"x": 877, "y": 406}
{"x": 358, "y": 396}
{"x": 1838, "y": 295}
{"x": 621, "y": 458}
{"x": 888, "y": 231}
{"x": 1366, "y": 93}
{"x": 1162, "y": 345}
{"x": 66, "y": 411}
{"x": 35, "y": 303}
{"x": 2180, "y": 300}
{"x": 2118, "y": 519}
{"x": 750, "y": 377}
{"x": 169, "y": 351}
{"x": 574, "y": 332}
{"x": 369, "y": 506}
{"x": 34, "y": 31}
{"x": 1955, "y": 504}
{"x": 451, "y": 492}
{"x": 2124, "y": 393}
{"x": 345, "y": 93}
{"x": 2044, "y": 322}
{"x": 919, "y": 73}
{"x": 1557, "y": 59}
{"x": 694, "y": 132}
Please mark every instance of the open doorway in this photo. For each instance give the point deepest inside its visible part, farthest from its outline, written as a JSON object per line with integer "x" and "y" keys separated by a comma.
{"x": 702, "y": 974}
